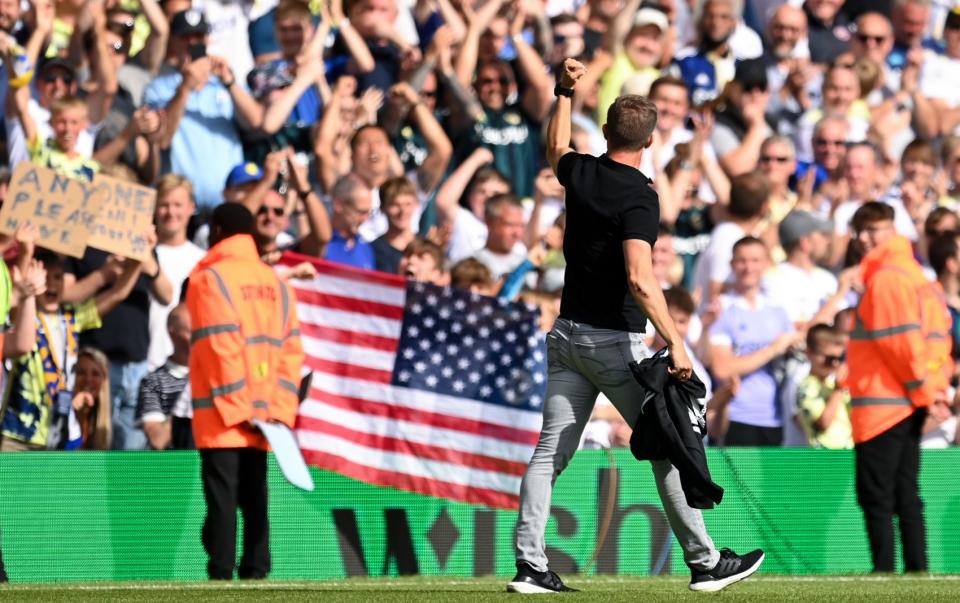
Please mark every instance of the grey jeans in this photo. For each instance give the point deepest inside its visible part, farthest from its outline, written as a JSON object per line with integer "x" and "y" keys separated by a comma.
{"x": 582, "y": 362}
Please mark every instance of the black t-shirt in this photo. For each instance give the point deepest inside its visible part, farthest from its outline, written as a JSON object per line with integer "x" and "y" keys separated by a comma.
{"x": 607, "y": 204}
{"x": 125, "y": 334}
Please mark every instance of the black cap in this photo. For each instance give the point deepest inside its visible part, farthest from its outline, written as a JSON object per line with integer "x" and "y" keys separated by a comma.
{"x": 751, "y": 74}
{"x": 54, "y": 62}
{"x": 190, "y": 21}
{"x": 953, "y": 19}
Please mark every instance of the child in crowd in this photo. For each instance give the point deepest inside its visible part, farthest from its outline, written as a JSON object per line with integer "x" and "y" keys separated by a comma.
{"x": 422, "y": 260}
{"x": 39, "y": 399}
{"x": 68, "y": 117}
{"x": 822, "y": 407}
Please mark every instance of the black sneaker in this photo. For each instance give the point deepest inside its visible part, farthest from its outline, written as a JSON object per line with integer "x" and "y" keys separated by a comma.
{"x": 529, "y": 580}
{"x": 729, "y": 569}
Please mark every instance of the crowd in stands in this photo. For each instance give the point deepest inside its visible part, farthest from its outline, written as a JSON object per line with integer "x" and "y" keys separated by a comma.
{"x": 404, "y": 136}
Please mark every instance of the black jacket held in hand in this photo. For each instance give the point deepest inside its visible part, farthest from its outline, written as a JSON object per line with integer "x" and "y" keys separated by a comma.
{"x": 664, "y": 429}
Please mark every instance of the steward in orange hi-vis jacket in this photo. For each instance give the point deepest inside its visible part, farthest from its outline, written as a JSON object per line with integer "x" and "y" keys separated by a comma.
{"x": 900, "y": 348}
{"x": 245, "y": 364}
{"x": 899, "y": 371}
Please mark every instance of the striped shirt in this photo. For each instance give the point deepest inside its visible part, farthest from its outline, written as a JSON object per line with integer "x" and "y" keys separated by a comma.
{"x": 159, "y": 392}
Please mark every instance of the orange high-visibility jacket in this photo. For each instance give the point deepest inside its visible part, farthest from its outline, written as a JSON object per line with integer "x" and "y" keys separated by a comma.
{"x": 899, "y": 354}
{"x": 246, "y": 354}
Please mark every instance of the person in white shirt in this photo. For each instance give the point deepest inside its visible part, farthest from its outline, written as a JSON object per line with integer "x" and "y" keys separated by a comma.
{"x": 749, "y": 198}
{"x": 798, "y": 284}
{"x": 176, "y": 254}
{"x": 504, "y": 250}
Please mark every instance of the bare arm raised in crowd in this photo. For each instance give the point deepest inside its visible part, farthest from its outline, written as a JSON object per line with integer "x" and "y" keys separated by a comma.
{"x": 438, "y": 145}
{"x": 477, "y": 23}
{"x": 151, "y": 56}
{"x": 356, "y": 46}
{"x": 538, "y": 95}
{"x": 448, "y": 196}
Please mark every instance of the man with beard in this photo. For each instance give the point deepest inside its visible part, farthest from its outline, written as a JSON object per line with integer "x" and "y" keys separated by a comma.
{"x": 707, "y": 68}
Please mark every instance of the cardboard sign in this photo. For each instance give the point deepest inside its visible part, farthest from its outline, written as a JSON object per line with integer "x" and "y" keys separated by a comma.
{"x": 63, "y": 209}
{"x": 125, "y": 217}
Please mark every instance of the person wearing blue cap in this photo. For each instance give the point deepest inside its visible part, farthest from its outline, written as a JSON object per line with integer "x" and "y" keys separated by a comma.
{"x": 245, "y": 183}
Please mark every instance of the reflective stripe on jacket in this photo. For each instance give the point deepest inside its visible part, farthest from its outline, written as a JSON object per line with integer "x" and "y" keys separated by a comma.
{"x": 246, "y": 354}
{"x": 899, "y": 354}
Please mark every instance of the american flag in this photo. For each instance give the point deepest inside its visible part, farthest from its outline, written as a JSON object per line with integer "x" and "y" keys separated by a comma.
{"x": 419, "y": 387}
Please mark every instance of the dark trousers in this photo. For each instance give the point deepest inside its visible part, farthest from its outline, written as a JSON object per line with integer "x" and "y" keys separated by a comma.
{"x": 887, "y": 470}
{"x": 235, "y": 477}
{"x": 3, "y": 570}
{"x": 741, "y": 434}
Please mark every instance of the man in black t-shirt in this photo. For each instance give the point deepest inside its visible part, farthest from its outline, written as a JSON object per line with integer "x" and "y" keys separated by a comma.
{"x": 610, "y": 292}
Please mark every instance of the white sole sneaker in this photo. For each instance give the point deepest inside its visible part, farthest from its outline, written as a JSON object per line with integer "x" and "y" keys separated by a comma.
{"x": 525, "y": 588}
{"x": 717, "y": 585}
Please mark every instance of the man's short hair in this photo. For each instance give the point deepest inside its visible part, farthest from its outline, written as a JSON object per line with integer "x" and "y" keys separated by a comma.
{"x": 748, "y": 195}
{"x": 394, "y": 187}
{"x": 470, "y": 272}
{"x": 782, "y": 140}
{"x": 493, "y": 208}
{"x": 680, "y": 298}
{"x": 821, "y": 334}
{"x": 420, "y": 246}
{"x": 230, "y": 219}
{"x": 346, "y": 187}
{"x": 630, "y": 123}
{"x": 869, "y": 213}
{"x": 666, "y": 80}
{"x": 362, "y": 129}
{"x": 292, "y": 9}
{"x": 747, "y": 241}
{"x": 66, "y": 103}
{"x": 169, "y": 182}
{"x": 921, "y": 151}
{"x": 875, "y": 152}
{"x": 942, "y": 249}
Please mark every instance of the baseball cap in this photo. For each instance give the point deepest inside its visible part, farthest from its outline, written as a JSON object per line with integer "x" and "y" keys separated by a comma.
{"x": 651, "y": 16}
{"x": 190, "y": 21}
{"x": 243, "y": 173}
{"x": 55, "y": 62}
{"x": 751, "y": 74}
{"x": 953, "y": 19}
{"x": 800, "y": 223}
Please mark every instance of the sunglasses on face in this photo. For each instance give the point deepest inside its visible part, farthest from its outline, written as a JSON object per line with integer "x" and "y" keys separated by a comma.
{"x": 119, "y": 47}
{"x": 264, "y": 210}
{"x": 493, "y": 80}
{"x": 832, "y": 360}
{"x": 53, "y": 77}
{"x": 864, "y": 38}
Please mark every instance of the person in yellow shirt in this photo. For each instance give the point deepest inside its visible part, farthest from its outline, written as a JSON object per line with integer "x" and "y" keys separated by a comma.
{"x": 637, "y": 54}
{"x": 823, "y": 408}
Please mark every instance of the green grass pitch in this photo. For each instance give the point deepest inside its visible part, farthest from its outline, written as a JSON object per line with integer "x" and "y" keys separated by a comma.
{"x": 416, "y": 590}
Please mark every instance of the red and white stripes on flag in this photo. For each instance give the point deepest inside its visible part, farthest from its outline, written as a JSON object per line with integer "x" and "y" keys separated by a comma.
{"x": 360, "y": 421}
